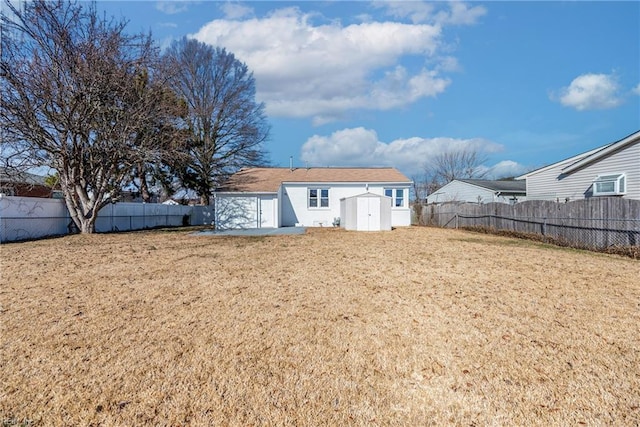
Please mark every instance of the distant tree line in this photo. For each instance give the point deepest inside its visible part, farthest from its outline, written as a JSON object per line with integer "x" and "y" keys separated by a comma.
{"x": 105, "y": 110}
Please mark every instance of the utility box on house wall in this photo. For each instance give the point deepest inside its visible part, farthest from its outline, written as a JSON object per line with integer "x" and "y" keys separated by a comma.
{"x": 366, "y": 212}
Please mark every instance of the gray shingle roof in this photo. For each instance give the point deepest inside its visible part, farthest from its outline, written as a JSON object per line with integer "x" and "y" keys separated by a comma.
{"x": 502, "y": 186}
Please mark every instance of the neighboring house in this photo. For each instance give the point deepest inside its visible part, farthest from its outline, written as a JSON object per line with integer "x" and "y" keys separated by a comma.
{"x": 480, "y": 191}
{"x": 310, "y": 197}
{"x": 610, "y": 170}
{"x": 25, "y": 184}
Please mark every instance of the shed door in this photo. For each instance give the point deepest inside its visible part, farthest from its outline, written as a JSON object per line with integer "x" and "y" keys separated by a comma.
{"x": 368, "y": 214}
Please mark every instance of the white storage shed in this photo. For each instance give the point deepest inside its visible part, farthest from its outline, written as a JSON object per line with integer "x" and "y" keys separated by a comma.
{"x": 366, "y": 212}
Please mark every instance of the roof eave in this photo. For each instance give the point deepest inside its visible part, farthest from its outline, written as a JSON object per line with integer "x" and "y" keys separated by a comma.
{"x": 604, "y": 151}
{"x": 349, "y": 182}
{"x": 573, "y": 159}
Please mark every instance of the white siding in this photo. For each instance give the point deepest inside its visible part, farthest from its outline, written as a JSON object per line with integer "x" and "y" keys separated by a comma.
{"x": 550, "y": 184}
{"x": 295, "y": 209}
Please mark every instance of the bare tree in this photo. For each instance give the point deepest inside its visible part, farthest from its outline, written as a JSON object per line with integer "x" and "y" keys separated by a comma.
{"x": 463, "y": 163}
{"x": 74, "y": 99}
{"x": 161, "y": 138}
{"x": 227, "y": 127}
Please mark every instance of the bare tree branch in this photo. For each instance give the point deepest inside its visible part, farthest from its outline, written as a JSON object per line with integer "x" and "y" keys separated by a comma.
{"x": 461, "y": 163}
{"x": 227, "y": 127}
{"x": 72, "y": 100}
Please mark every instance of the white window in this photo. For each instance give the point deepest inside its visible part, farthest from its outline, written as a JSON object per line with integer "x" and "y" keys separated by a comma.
{"x": 318, "y": 197}
{"x": 609, "y": 185}
{"x": 397, "y": 196}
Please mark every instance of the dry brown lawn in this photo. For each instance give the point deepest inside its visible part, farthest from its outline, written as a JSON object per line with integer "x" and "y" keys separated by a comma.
{"x": 418, "y": 326}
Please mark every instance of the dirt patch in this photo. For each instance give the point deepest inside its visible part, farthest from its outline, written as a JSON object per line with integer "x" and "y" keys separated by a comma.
{"x": 418, "y": 326}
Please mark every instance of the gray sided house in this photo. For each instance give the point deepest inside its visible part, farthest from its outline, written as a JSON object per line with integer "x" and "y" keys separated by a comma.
{"x": 612, "y": 170}
{"x": 480, "y": 191}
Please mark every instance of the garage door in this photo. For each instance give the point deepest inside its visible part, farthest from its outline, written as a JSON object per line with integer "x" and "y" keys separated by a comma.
{"x": 236, "y": 212}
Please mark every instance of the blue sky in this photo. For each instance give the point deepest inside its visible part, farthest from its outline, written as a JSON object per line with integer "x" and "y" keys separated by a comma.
{"x": 355, "y": 83}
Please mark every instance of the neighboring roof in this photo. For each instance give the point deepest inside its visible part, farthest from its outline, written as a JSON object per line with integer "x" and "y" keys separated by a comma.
{"x": 503, "y": 186}
{"x": 603, "y": 152}
{"x": 569, "y": 160}
{"x": 582, "y": 159}
{"x": 20, "y": 177}
{"x": 268, "y": 180}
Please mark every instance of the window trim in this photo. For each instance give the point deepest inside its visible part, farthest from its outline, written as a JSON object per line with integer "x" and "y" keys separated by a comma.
{"x": 617, "y": 179}
{"x": 318, "y": 197}
{"x": 394, "y": 197}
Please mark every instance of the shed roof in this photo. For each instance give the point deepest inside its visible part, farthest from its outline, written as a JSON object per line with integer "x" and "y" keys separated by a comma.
{"x": 268, "y": 180}
{"x": 503, "y": 186}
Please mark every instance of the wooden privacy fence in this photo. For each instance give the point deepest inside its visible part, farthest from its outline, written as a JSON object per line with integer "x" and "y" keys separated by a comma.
{"x": 596, "y": 223}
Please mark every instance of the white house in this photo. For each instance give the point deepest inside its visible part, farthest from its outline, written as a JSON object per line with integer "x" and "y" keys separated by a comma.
{"x": 610, "y": 170}
{"x": 309, "y": 197}
{"x": 480, "y": 191}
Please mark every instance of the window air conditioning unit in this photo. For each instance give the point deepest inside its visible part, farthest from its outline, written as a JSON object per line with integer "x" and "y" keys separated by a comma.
{"x": 609, "y": 185}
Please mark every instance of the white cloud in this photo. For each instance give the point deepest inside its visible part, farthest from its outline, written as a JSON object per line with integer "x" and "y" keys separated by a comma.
{"x": 636, "y": 90}
{"x": 416, "y": 11}
{"x": 459, "y": 13}
{"x": 326, "y": 70}
{"x": 174, "y": 6}
{"x": 504, "y": 169}
{"x": 362, "y": 147}
{"x": 234, "y": 10}
{"x": 591, "y": 92}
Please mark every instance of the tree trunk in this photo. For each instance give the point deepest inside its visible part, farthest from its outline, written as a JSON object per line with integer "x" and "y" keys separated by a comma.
{"x": 84, "y": 222}
{"x": 144, "y": 185}
{"x": 204, "y": 199}
{"x": 88, "y": 227}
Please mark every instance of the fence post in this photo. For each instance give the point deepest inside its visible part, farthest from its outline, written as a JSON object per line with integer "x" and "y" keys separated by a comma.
{"x": 456, "y": 220}
{"x": 544, "y": 226}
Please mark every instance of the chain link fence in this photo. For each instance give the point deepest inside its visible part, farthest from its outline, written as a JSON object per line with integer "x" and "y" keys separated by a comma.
{"x": 606, "y": 224}
{"x": 590, "y": 233}
{"x": 26, "y": 218}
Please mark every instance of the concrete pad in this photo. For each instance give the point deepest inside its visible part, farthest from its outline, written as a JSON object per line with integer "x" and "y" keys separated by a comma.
{"x": 254, "y": 231}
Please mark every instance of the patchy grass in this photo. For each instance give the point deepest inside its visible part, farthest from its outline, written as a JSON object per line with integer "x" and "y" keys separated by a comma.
{"x": 418, "y": 326}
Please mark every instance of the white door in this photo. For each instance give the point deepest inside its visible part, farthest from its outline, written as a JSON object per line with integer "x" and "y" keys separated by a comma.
{"x": 368, "y": 214}
{"x": 267, "y": 213}
{"x": 374, "y": 214}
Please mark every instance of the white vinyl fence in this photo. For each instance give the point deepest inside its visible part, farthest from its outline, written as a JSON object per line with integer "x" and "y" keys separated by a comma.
{"x": 23, "y": 218}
